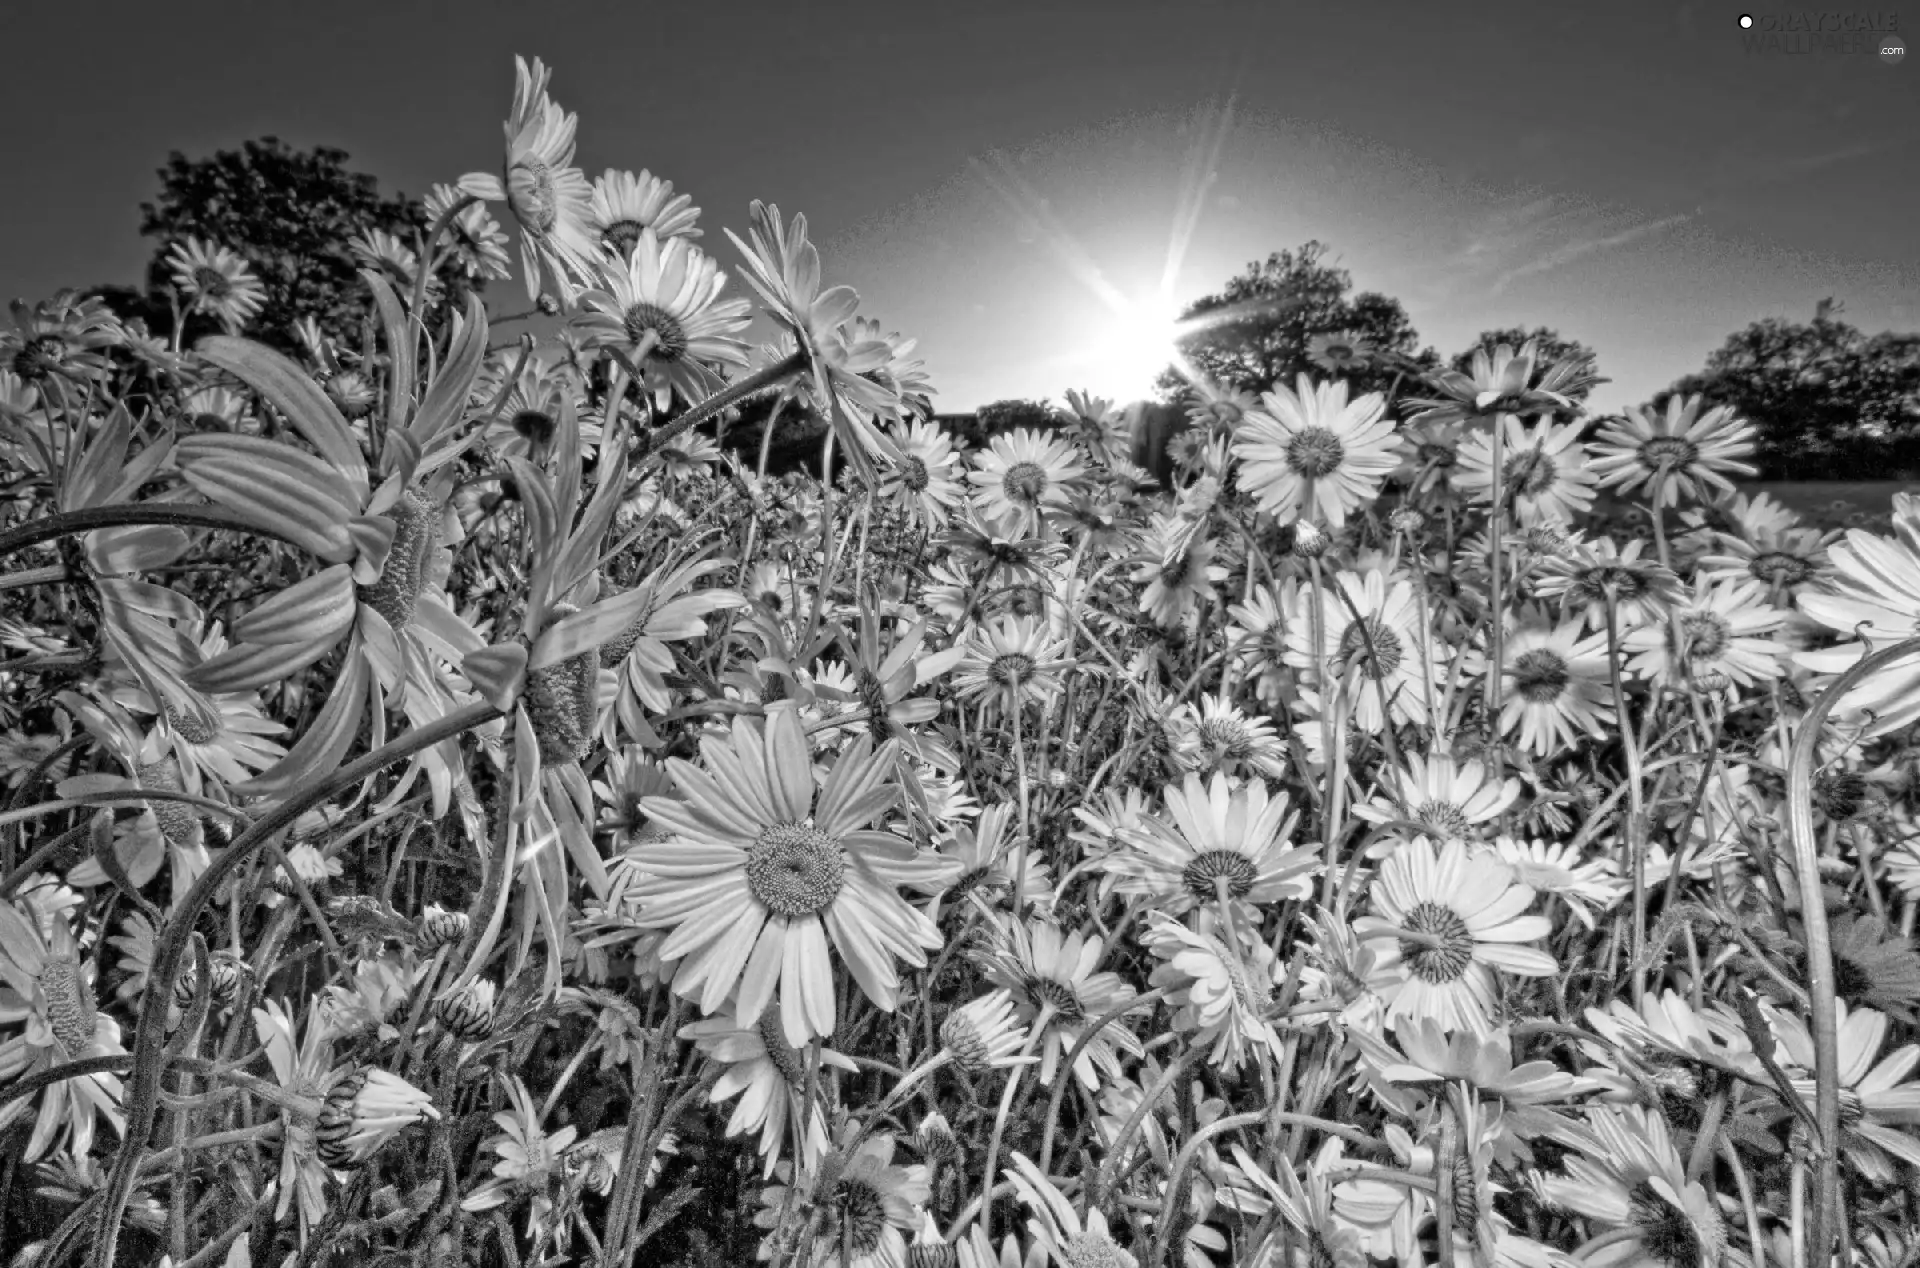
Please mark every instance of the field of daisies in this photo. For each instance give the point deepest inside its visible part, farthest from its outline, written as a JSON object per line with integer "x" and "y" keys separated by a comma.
{"x": 457, "y": 813}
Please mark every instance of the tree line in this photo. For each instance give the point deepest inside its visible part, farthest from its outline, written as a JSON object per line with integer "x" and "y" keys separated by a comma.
{"x": 1829, "y": 400}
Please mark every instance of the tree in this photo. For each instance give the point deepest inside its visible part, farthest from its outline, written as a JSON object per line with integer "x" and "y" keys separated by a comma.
{"x": 1552, "y": 348}
{"x": 1267, "y": 318}
{"x": 292, "y": 214}
{"x": 1000, "y": 417}
{"x": 1829, "y": 401}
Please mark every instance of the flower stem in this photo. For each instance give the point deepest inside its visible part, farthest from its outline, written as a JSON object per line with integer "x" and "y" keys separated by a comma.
{"x": 731, "y": 394}
{"x": 1806, "y": 860}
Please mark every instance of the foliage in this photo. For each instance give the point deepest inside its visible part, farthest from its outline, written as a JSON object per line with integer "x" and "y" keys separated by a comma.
{"x": 998, "y": 418}
{"x": 1269, "y": 314}
{"x": 1830, "y": 401}
{"x": 458, "y": 813}
{"x": 1552, "y": 348}
{"x": 292, "y": 214}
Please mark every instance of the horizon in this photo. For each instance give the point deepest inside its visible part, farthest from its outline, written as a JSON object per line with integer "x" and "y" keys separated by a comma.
{"x": 991, "y": 181}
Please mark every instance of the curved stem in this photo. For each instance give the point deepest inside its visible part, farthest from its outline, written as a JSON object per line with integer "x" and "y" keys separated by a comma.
{"x": 1073, "y": 1056}
{"x": 731, "y": 394}
{"x": 143, "y": 1084}
{"x": 1164, "y": 1225}
{"x": 46, "y": 529}
{"x": 1806, "y": 866}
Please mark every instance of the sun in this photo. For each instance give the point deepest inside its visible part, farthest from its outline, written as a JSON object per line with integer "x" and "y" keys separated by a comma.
{"x": 1131, "y": 350}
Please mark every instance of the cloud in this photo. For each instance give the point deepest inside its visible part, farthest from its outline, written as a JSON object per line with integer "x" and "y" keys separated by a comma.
{"x": 1564, "y": 255}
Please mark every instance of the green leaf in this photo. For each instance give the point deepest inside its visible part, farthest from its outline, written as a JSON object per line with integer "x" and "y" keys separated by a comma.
{"x": 319, "y": 607}
{"x": 497, "y": 673}
{"x": 293, "y": 393}
{"x": 322, "y": 747}
{"x": 276, "y": 487}
{"x": 446, "y": 397}
{"x": 400, "y": 347}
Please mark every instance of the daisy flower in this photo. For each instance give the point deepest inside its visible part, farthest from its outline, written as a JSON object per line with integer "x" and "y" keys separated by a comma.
{"x": 213, "y": 408}
{"x": 1217, "y": 842}
{"x": 985, "y": 1034}
{"x": 1543, "y": 470}
{"x": 1011, "y": 663}
{"x": 902, "y": 374}
{"x": 525, "y": 412}
{"x": 1022, "y": 474}
{"x": 987, "y": 855}
{"x": 1878, "y": 1098}
{"x": 1226, "y": 987}
{"x": 626, "y": 206}
{"x": 1313, "y": 455}
{"x": 1051, "y": 977}
{"x": 476, "y": 241}
{"x": 1876, "y": 597}
{"x": 1711, "y": 640}
{"x": 660, "y": 311}
{"x": 783, "y": 267}
{"x": 1559, "y": 871}
{"x": 1636, "y": 1181}
{"x": 224, "y": 739}
{"x": 1258, "y": 632}
{"x": 1682, "y": 452}
{"x": 47, "y": 983}
{"x": 531, "y": 1160}
{"x": 217, "y": 282}
{"x": 1216, "y": 735}
{"x": 1101, "y": 428}
{"x": 1176, "y": 565}
{"x": 1502, "y": 381}
{"x": 1340, "y": 353}
{"x": 766, "y": 866}
{"x": 863, "y": 1206}
{"x": 64, "y": 336}
{"x": 769, "y": 1075}
{"x": 383, "y": 253}
{"x": 926, "y": 473}
{"x": 1781, "y": 558}
{"x": 1444, "y": 919}
{"x": 1590, "y": 576}
{"x": 1453, "y": 798}
{"x": 302, "y": 1059}
{"x": 1554, "y": 685}
{"x": 1057, "y": 1227}
{"x": 1386, "y": 655}
{"x": 549, "y": 197}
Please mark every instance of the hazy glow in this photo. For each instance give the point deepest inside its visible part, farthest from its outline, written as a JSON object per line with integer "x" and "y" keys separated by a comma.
{"x": 1130, "y": 352}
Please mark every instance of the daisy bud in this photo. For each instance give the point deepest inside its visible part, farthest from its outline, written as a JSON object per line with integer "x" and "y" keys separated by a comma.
{"x": 562, "y": 701}
{"x": 441, "y": 928}
{"x": 1840, "y": 795}
{"x": 362, "y": 1112}
{"x": 416, "y": 532}
{"x": 932, "y": 1255}
{"x": 935, "y": 1139}
{"x": 350, "y": 391}
{"x": 1406, "y": 520}
{"x": 226, "y": 971}
{"x": 178, "y": 823}
{"x": 311, "y": 866}
{"x": 467, "y": 1013}
{"x": 69, "y": 1003}
{"x": 1309, "y": 542}
{"x": 984, "y": 1034}
{"x": 535, "y": 426}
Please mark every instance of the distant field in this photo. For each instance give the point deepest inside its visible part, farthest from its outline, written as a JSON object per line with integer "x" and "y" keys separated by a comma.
{"x": 1837, "y": 503}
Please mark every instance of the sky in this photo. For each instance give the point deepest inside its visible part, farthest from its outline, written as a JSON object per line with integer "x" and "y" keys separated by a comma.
{"x": 992, "y": 176}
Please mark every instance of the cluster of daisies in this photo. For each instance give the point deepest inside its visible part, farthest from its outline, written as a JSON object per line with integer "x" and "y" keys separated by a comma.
{"x": 458, "y": 806}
